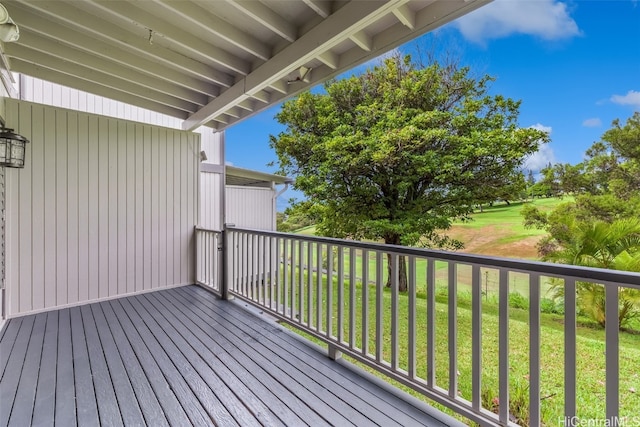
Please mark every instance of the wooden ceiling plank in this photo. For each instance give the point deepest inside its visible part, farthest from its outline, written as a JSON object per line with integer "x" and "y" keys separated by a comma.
{"x": 90, "y": 25}
{"x": 90, "y": 87}
{"x": 210, "y": 23}
{"x": 43, "y": 44}
{"x": 186, "y": 40}
{"x": 266, "y": 17}
{"x": 322, "y": 8}
{"x": 100, "y": 78}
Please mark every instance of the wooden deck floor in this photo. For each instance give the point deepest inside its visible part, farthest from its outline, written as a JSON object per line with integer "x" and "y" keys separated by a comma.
{"x": 180, "y": 357}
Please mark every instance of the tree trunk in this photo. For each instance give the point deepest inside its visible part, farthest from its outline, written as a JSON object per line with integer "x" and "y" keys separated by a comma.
{"x": 402, "y": 265}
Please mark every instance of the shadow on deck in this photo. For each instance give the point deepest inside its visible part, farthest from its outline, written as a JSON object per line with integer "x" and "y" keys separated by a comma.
{"x": 182, "y": 357}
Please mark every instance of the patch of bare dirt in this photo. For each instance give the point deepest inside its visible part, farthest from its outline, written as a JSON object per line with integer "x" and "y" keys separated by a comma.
{"x": 487, "y": 241}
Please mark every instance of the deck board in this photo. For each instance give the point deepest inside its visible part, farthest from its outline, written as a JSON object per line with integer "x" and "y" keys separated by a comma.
{"x": 44, "y": 406}
{"x": 65, "y": 409}
{"x": 179, "y": 357}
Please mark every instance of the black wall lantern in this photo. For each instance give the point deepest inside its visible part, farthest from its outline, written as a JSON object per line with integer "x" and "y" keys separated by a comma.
{"x": 12, "y": 148}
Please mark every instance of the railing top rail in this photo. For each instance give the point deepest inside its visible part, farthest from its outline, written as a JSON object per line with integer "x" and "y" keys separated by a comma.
{"x": 210, "y": 230}
{"x": 599, "y": 275}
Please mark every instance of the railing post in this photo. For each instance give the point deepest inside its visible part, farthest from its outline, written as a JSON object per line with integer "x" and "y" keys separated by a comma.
{"x": 226, "y": 247}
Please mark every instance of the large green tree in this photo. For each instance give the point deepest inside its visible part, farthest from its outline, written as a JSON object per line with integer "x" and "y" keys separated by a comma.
{"x": 397, "y": 153}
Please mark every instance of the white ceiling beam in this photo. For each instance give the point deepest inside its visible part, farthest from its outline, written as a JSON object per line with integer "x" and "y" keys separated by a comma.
{"x": 330, "y": 59}
{"x": 281, "y": 86}
{"x": 58, "y": 50}
{"x": 233, "y": 112}
{"x": 248, "y": 105}
{"x": 129, "y": 12}
{"x": 73, "y": 17}
{"x": 205, "y": 21}
{"x": 363, "y": 40}
{"x": 406, "y": 16}
{"x": 320, "y": 7}
{"x": 100, "y": 78}
{"x": 222, "y": 118}
{"x": 352, "y": 17}
{"x": 262, "y": 96}
{"x": 266, "y": 17}
{"x": 48, "y": 74}
{"x": 429, "y": 18}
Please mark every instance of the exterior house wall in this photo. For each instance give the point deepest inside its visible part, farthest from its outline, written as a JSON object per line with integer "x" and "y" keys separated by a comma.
{"x": 104, "y": 207}
{"x": 211, "y": 200}
{"x": 251, "y": 207}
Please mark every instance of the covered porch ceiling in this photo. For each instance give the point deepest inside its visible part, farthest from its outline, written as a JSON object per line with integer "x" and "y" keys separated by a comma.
{"x": 210, "y": 63}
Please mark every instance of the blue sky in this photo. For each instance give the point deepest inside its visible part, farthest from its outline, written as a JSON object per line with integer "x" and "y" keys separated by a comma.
{"x": 575, "y": 65}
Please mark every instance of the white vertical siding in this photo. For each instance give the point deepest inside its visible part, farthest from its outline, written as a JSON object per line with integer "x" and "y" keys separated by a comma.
{"x": 44, "y": 92}
{"x": 104, "y": 207}
{"x": 211, "y": 200}
{"x": 250, "y": 207}
{"x": 210, "y": 142}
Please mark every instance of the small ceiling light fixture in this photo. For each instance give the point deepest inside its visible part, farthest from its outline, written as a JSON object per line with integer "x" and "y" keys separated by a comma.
{"x": 12, "y": 148}
{"x": 304, "y": 76}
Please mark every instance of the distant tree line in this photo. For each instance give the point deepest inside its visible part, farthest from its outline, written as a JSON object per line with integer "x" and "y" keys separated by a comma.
{"x": 601, "y": 226}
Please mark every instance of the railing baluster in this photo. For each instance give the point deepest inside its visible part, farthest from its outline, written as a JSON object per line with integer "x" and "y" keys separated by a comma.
{"x": 255, "y": 277}
{"x": 352, "y": 297}
{"x": 272, "y": 271}
{"x": 503, "y": 345}
{"x": 301, "y": 269}
{"x": 340, "y": 294}
{"x": 394, "y": 310}
{"x": 411, "y": 288}
{"x": 569, "y": 348}
{"x": 252, "y": 276}
{"x": 260, "y": 275}
{"x": 310, "y": 282}
{"x": 476, "y": 338}
{"x": 534, "y": 349}
{"x": 292, "y": 306}
{"x": 245, "y": 264}
{"x": 452, "y": 330}
{"x": 431, "y": 322}
{"x": 379, "y": 307}
{"x": 319, "y": 289}
{"x": 199, "y": 251}
{"x": 329, "y": 307}
{"x": 268, "y": 246}
{"x": 209, "y": 238}
{"x": 365, "y": 302}
{"x": 278, "y": 254}
{"x": 285, "y": 275}
{"x": 612, "y": 352}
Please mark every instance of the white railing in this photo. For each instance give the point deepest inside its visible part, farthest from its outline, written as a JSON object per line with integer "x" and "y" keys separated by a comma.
{"x": 316, "y": 284}
{"x": 209, "y": 259}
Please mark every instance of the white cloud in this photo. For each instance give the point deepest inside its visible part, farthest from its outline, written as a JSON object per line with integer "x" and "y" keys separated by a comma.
{"x": 540, "y": 159}
{"x": 546, "y": 19}
{"x": 593, "y": 122}
{"x": 543, "y": 156}
{"x": 632, "y": 98}
{"x": 541, "y": 127}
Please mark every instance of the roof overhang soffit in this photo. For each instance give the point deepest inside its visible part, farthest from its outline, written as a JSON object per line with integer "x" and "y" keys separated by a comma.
{"x": 351, "y": 22}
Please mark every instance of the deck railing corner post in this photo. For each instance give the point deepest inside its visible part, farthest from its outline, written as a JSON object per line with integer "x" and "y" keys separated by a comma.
{"x": 224, "y": 286}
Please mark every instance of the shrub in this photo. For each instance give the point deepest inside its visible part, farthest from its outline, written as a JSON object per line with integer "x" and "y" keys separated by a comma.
{"x": 517, "y": 300}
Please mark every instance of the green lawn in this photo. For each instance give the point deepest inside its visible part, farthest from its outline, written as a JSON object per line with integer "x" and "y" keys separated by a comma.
{"x": 491, "y": 231}
{"x": 590, "y": 348}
